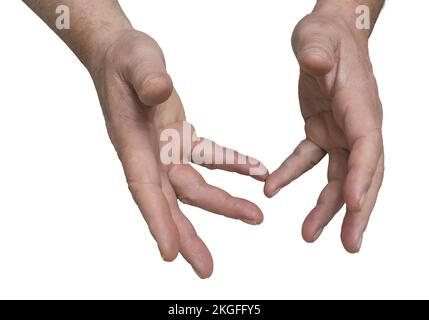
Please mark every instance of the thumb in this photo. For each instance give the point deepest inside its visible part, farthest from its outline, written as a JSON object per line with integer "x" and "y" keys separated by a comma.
{"x": 314, "y": 48}
{"x": 149, "y": 76}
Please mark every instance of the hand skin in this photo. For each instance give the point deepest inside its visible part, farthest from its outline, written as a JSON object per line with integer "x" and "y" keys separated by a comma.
{"x": 138, "y": 102}
{"x": 343, "y": 117}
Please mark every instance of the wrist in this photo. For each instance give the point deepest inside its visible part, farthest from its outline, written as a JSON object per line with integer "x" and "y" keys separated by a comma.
{"x": 99, "y": 41}
{"x": 348, "y": 12}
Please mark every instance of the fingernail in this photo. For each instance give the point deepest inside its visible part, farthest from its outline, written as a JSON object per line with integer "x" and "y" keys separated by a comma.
{"x": 163, "y": 255}
{"x": 359, "y": 243}
{"x": 199, "y": 274}
{"x": 275, "y": 192}
{"x": 248, "y": 221}
{"x": 317, "y": 234}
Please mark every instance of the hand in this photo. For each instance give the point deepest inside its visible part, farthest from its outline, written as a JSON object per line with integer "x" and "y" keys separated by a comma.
{"x": 343, "y": 117}
{"x": 140, "y": 106}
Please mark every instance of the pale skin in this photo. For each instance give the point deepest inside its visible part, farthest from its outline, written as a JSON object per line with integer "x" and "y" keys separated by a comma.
{"x": 139, "y": 101}
{"x": 343, "y": 118}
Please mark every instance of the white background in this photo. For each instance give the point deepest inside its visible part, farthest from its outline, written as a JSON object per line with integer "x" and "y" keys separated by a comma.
{"x": 69, "y": 228}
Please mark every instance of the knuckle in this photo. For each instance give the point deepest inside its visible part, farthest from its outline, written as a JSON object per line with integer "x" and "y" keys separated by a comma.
{"x": 190, "y": 194}
{"x": 187, "y": 198}
{"x": 133, "y": 186}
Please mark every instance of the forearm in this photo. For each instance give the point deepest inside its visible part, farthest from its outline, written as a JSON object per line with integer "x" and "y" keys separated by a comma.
{"x": 93, "y": 25}
{"x": 347, "y": 8}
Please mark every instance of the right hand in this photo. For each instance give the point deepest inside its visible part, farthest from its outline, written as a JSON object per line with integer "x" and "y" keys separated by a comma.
{"x": 139, "y": 103}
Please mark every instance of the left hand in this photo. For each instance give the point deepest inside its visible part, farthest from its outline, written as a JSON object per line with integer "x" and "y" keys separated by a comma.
{"x": 146, "y": 123}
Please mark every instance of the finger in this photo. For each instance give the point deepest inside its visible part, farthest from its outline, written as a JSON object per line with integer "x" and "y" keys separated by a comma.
{"x": 358, "y": 112}
{"x": 192, "y": 248}
{"x": 304, "y": 157}
{"x": 364, "y": 156}
{"x": 313, "y": 47}
{"x": 191, "y": 188}
{"x": 213, "y": 156}
{"x": 149, "y": 76}
{"x": 355, "y": 222}
{"x": 330, "y": 200}
{"x": 153, "y": 206}
{"x": 141, "y": 170}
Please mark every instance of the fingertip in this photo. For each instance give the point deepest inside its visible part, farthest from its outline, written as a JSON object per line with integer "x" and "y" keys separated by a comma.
{"x": 307, "y": 236}
{"x": 311, "y": 237}
{"x": 208, "y": 273}
{"x": 254, "y": 215}
{"x": 312, "y": 228}
{"x": 270, "y": 189}
{"x": 202, "y": 263}
{"x": 155, "y": 89}
{"x": 169, "y": 255}
{"x": 316, "y": 60}
{"x": 169, "y": 247}
{"x": 258, "y": 219}
{"x": 351, "y": 239}
{"x": 351, "y": 248}
{"x": 204, "y": 273}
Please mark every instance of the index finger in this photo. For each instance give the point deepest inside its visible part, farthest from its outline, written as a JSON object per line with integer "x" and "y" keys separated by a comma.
{"x": 209, "y": 154}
